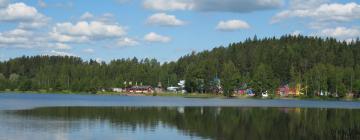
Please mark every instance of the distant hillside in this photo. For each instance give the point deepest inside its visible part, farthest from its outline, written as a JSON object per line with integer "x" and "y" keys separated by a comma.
{"x": 321, "y": 64}
{"x": 262, "y": 64}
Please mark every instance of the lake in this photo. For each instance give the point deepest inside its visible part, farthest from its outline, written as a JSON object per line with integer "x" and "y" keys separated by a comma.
{"x": 93, "y": 117}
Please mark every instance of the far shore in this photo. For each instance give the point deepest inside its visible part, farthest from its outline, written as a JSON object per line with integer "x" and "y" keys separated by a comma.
{"x": 186, "y": 95}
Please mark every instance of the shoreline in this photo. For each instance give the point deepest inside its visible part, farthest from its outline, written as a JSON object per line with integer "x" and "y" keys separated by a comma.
{"x": 188, "y": 95}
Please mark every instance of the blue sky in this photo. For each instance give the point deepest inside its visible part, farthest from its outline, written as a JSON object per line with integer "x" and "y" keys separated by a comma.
{"x": 162, "y": 29}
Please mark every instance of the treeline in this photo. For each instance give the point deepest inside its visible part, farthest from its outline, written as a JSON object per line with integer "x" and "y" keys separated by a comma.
{"x": 318, "y": 64}
{"x": 57, "y": 73}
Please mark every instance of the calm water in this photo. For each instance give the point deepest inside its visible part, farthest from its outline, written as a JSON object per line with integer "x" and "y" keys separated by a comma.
{"x": 74, "y": 117}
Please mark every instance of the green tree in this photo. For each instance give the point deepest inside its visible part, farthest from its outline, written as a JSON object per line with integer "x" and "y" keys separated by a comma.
{"x": 317, "y": 79}
{"x": 263, "y": 79}
{"x": 295, "y": 76}
{"x": 229, "y": 77}
{"x": 3, "y": 82}
{"x": 357, "y": 86}
{"x": 13, "y": 79}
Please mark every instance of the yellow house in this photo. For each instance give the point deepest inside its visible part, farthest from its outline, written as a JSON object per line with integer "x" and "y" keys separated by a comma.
{"x": 298, "y": 91}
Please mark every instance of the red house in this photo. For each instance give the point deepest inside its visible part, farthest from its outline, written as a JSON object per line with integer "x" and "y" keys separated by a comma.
{"x": 240, "y": 91}
{"x": 286, "y": 91}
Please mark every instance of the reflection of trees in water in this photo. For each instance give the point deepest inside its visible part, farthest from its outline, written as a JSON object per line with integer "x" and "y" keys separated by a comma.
{"x": 221, "y": 123}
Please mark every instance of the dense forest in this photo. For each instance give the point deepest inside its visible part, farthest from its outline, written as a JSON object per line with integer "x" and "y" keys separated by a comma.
{"x": 318, "y": 64}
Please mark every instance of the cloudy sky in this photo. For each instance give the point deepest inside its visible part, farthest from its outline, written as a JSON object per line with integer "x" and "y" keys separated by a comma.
{"x": 162, "y": 29}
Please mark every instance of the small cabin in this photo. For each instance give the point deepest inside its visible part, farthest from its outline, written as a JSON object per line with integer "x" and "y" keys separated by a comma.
{"x": 172, "y": 89}
{"x": 289, "y": 91}
{"x": 140, "y": 89}
{"x": 247, "y": 92}
{"x": 250, "y": 92}
{"x": 240, "y": 91}
{"x": 117, "y": 90}
{"x": 283, "y": 90}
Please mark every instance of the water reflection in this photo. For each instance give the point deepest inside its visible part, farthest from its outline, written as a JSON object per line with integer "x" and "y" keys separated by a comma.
{"x": 217, "y": 123}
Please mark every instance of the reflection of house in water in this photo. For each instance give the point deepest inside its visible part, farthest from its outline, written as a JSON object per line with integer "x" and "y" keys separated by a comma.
{"x": 218, "y": 111}
{"x": 181, "y": 110}
{"x": 291, "y": 110}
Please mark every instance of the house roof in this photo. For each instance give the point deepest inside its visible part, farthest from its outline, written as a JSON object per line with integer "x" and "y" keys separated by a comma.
{"x": 141, "y": 87}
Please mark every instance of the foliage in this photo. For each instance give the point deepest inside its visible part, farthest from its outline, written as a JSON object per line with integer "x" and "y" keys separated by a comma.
{"x": 264, "y": 64}
{"x": 263, "y": 79}
{"x": 230, "y": 78}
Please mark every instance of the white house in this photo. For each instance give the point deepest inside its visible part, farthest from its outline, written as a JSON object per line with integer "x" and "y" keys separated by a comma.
{"x": 117, "y": 89}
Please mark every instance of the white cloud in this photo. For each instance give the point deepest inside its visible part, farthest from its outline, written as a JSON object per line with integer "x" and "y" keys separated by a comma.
{"x": 326, "y": 19}
{"x": 59, "y": 53}
{"x": 93, "y": 28}
{"x": 67, "y": 38}
{"x": 85, "y": 31}
{"x": 25, "y": 39}
{"x": 153, "y": 37}
{"x": 26, "y": 16}
{"x": 61, "y": 46}
{"x": 33, "y": 25}
{"x": 232, "y": 25}
{"x": 296, "y": 33}
{"x": 105, "y": 18}
{"x": 342, "y": 33}
{"x": 168, "y": 5}
{"x": 87, "y": 15}
{"x": 306, "y": 4}
{"x": 20, "y": 38}
{"x": 324, "y": 12}
{"x": 19, "y": 32}
{"x": 213, "y": 5}
{"x": 163, "y": 19}
{"x": 16, "y": 37}
{"x": 125, "y": 42}
{"x": 20, "y": 12}
{"x": 89, "y": 50}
